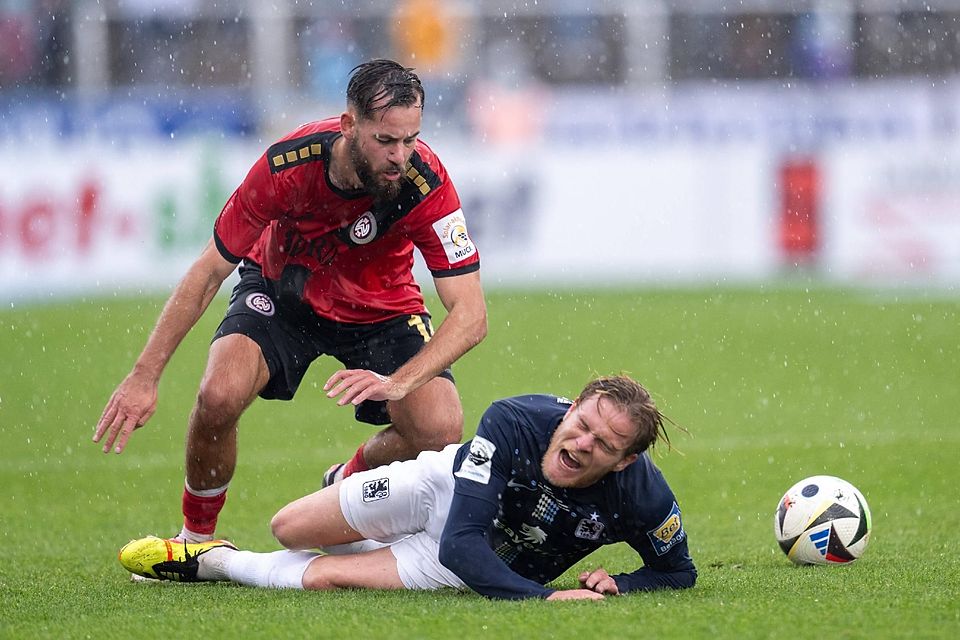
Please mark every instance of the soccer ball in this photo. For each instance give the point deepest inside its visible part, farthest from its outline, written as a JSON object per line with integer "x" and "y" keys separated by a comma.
{"x": 822, "y": 520}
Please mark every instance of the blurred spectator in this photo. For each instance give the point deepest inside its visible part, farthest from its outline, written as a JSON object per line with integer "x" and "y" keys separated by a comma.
{"x": 758, "y": 45}
{"x": 54, "y": 38}
{"x": 17, "y": 43}
{"x": 435, "y": 38}
{"x": 506, "y": 104}
{"x": 421, "y": 36}
{"x": 820, "y": 45}
{"x": 328, "y": 51}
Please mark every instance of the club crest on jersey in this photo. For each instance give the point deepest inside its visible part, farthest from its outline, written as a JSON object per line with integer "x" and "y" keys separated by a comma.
{"x": 589, "y": 529}
{"x": 261, "y": 303}
{"x": 476, "y": 466}
{"x": 667, "y": 533}
{"x": 376, "y": 490}
{"x": 364, "y": 229}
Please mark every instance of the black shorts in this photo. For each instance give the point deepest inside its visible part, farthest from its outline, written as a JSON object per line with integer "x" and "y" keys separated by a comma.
{"x": 291, "y": 336}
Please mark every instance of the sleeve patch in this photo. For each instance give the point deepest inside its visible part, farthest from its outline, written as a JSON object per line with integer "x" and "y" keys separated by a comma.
{"x": 667, "y": 533}
{"x": 452, "y": 232}
{"x": 476, "y": 466}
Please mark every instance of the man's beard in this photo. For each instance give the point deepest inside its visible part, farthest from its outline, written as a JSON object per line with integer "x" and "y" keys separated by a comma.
{"x": 383, "y": 191}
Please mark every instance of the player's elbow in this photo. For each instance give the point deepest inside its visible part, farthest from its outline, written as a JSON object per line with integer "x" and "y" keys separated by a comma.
{"x": 481, "y": 328}
{"x": 472, "y": 320}
{"x": 683, "y": 579}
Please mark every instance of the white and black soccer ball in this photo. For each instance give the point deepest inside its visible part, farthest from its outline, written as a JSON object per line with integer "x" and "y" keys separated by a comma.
{"x": 822, "y": 520}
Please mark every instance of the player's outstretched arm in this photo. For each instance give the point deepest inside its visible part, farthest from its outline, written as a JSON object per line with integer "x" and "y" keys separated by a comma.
{"x": 673, "y": 569}
{"x": 463, "y": 328}
{"x": 135, "y": 399}
{"x": 464, "y": 551}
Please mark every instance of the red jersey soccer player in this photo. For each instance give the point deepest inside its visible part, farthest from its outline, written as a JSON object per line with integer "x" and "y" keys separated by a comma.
{"x": 323, "y": 228}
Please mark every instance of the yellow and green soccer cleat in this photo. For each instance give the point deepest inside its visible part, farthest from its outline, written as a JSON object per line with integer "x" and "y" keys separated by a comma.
{"x": 166, "y": 559}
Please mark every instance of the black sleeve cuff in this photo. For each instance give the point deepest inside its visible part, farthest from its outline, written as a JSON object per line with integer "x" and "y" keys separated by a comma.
{"x": 447, "y": 273}
{"x": 229, "y": 257}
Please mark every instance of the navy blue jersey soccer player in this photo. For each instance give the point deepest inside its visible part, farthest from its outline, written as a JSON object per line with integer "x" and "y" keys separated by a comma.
{"x": 522, "y": 531}
{"x": 545, "y": 482}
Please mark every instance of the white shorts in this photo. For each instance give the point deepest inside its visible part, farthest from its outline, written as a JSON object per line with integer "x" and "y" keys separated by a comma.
{"x": 405, "y": 505}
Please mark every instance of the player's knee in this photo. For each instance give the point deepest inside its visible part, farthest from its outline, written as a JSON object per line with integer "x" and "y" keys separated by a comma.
{"x": 432, "y": 419}
{"x": 283, "y": 528}
{"x": 440, "y": 433}
{"x": 218, "y": 404}
{"x": 451, "y": 431}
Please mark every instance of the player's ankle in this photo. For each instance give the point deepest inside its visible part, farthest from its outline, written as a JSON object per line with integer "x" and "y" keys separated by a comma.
{"x": 201, "y": 507}
{"x": 192, "y": 536}
{"x": 356, "y": 464}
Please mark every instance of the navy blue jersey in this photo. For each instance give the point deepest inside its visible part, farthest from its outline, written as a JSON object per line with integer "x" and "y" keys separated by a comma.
{"x": 528, "y": 532}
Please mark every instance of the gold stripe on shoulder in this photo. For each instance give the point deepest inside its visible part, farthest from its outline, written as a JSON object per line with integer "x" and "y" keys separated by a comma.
{"x": 288, "y": 154}
{"x": 418, "y": 180}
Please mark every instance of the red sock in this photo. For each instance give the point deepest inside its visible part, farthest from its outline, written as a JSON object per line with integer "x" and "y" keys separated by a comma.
{"x": 200, "y": 512}
{"x": 356, "y": 464}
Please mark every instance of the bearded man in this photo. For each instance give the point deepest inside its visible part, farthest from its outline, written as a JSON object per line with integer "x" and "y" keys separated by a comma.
{"x": 323, "y": 229}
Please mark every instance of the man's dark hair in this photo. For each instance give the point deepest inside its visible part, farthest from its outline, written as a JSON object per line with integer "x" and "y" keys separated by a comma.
{"x": 629, "y": 395}
{"x": 385, "y": 82}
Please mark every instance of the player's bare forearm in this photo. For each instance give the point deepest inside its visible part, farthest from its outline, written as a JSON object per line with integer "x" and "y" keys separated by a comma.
{"x": 449, "y": 343}
{"x": 183, "y": 309}
{"x": 460, "y": 331}
{"x": 463, "y": 328}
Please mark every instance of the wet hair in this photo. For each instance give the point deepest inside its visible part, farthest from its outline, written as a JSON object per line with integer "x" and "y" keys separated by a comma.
{"x": 629, "y": 395}
{"x": 381, "y": 84}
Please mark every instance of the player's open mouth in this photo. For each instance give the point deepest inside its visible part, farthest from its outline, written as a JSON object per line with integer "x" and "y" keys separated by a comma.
{"x": 392, "y": 174}
{"x": 567, "y": 460}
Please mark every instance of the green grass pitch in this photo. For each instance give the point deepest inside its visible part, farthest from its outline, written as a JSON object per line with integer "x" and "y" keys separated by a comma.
{"x": 774, "y": 383}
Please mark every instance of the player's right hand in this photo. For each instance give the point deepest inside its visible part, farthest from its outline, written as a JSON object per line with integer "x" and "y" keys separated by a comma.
{"x": 130, "y": 406}
{"x": 575, "y": 594}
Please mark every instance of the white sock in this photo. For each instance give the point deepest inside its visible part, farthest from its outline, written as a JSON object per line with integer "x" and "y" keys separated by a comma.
{"x": 213, "y": 564}
{"x": 361, "y": 546}
{"x": 277, "y": 570}
{"x": 205, "y": 493}
{"x": 192, "y": 536}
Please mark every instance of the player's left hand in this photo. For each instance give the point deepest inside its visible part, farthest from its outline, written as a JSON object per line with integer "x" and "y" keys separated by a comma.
{"x": 600, "y": 581}
{"x": 357, "y": 385}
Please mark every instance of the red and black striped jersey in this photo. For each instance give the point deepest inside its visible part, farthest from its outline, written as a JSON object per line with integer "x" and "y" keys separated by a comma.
{"x": 349, "y": 260}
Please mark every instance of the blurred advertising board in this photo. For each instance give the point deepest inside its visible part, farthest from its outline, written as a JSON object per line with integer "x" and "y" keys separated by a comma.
{"x": 94, "y": 217}
{"x": 892, "y": 214}
{"x": 81, "y": 219}
{"x": 86, "y": 218}
{"x": 118, "y": 117}
{"x": 783, "y": 116}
